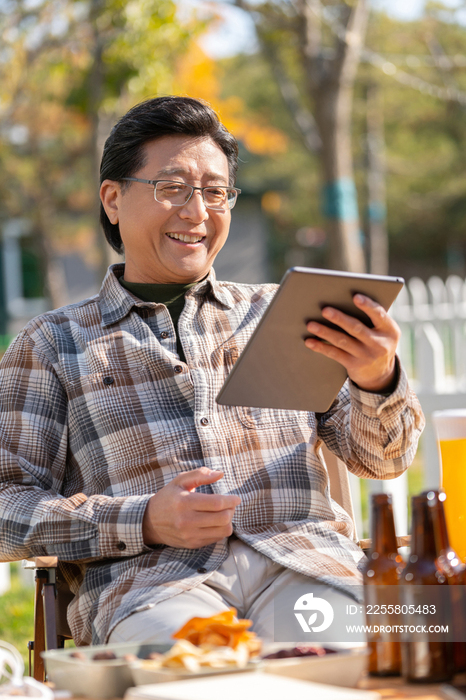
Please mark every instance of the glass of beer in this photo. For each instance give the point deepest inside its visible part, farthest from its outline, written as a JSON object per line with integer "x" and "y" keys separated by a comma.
{"x": 450, "y": 426}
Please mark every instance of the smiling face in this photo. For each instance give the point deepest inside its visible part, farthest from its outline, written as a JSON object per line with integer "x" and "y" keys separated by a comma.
{"x": 166, "y": 244}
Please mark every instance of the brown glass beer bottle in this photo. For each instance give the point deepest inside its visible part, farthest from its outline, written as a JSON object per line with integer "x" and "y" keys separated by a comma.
{"x": 454, "y": 570}
{"x": 381, "y": 575}
{"x": 425, "y": 656}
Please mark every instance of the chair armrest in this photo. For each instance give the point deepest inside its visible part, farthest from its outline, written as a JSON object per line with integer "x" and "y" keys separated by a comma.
{"x": 46, "y": 562}
{"x": 404, "y": 541}
{"x": 40, "y": 563}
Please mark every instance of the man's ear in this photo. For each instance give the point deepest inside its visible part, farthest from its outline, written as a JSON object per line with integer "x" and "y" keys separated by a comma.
{"x": 110, "y": 194}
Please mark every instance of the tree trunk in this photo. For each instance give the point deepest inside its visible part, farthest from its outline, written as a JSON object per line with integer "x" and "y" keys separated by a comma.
{"x": 330, "y": 84}
{"x": 54, "y": 273}
{"x": 340, "y": 204}
{"x": 376, "y": 206}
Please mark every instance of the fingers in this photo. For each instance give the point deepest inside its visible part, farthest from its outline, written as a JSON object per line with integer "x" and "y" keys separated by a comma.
{"x": 376, "y": 313}
{"x": 189, "y": 481}
{"x": 198, "y": 539}
{"x": 196, "y": 529}
{"x": 178, "y": 516}
{"x": 368, "y": 354}
{"x": 213, "y": 502}
{"x": 197, "y": 477}
{"x": 333, "y": 339}
{"x": 355, "y": 330}
{"x": 204, "y": 519}
{"x": 382, "y": 323}
{"x": 186, "y": 528}
{"x": 351, "y": 325}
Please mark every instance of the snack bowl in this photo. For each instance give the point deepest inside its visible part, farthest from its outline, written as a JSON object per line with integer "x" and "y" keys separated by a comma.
{"x": 96, "y": 679}
{"x": 342, "y": 668}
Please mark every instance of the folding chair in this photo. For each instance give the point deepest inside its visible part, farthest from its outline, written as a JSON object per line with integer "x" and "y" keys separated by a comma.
{"x": 51, "y": 600}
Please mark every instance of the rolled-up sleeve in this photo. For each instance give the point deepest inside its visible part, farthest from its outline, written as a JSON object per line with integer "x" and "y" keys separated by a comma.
{"x": 375, "y": 435}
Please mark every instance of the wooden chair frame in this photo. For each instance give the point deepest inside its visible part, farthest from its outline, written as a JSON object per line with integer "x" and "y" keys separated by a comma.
{"x": 50, "y": 624}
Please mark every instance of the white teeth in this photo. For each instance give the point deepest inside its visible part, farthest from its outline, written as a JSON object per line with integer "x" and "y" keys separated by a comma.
{"x": 185, "y": 239}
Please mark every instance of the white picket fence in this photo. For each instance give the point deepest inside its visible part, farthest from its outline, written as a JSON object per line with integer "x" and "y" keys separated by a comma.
{"x": 432, "y": 318}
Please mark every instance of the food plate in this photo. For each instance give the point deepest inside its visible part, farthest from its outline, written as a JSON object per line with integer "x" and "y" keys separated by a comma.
{"x": 111, "y": 678}
{"x": 204, "y": 646}
{"x": 342, "y": 668}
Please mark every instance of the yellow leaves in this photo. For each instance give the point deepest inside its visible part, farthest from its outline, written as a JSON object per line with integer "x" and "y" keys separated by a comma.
{"x": 271, "y": 202}
{"x": 200, "y": 76}
{"x": 264, "y": 140}
{"x": 196, "y": 75}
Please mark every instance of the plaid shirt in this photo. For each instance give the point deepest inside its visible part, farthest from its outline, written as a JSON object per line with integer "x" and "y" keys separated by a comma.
{"x": 98, "y": 413}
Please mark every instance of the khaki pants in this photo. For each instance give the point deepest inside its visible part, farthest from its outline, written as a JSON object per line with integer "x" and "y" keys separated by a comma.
{"x": 247, "y": 581}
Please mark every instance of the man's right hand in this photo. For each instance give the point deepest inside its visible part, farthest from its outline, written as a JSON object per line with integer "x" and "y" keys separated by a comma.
{"x": 180, "y": 517}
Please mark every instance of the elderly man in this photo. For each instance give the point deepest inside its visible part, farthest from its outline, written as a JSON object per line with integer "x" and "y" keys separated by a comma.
{"x": 159, "y": 503}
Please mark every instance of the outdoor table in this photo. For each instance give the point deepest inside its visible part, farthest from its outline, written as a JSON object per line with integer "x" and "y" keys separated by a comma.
{"x": 398, "y": 689}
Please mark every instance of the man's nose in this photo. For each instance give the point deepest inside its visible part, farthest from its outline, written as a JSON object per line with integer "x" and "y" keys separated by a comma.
{"x": 195, "y": 208}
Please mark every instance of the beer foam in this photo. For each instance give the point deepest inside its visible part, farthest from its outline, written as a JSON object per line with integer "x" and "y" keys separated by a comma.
{"x": 450, "y": 424}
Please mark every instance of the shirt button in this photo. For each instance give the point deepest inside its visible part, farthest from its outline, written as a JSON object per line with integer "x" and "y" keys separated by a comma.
{"x": 202, "y": 570}
{"x": 164, "y": 335}
{"x": 121, "y": 546}
{"x": 108, "y": 380}
{"x": 205, "y": 421}
{"x": 178, "y": 369}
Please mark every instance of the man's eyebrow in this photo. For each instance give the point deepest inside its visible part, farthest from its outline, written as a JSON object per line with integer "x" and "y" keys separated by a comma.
{"x": 180, "y": 171}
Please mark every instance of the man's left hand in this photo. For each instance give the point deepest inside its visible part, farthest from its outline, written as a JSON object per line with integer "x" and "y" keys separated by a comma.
{"x": 368, "y": 354}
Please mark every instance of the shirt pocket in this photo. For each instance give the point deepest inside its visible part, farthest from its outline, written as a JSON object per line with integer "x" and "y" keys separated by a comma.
{"x": 265, "y": 418}
{"x": 272, "y": 418}
{"x": 113, "y": 416}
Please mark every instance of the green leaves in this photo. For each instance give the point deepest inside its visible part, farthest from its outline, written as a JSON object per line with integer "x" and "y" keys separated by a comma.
{"x": 68, "y": 70}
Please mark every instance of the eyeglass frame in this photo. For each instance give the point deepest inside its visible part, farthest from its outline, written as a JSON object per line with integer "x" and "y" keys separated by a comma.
{"x": 185, "y": 184}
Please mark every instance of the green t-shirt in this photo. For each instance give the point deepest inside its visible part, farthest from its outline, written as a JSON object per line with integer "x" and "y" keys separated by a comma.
{"x": 172, "y": 295}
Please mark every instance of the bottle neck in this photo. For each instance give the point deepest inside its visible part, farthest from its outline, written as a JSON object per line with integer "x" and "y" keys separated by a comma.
{"x": 441, "y": 532}
{"x": 383, "y": 529}
{"x": 423, "y": 542}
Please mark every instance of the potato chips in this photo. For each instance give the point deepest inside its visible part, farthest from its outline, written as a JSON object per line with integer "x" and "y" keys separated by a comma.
{"x": 187, "y": 657}
{"x": 218, "y": 641}
{"x": 223, "y": 630}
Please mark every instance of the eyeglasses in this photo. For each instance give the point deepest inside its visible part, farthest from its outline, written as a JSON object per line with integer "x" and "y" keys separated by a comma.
{"x": 177, "y": 194}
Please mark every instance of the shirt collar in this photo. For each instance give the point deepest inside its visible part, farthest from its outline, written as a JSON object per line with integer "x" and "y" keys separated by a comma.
{"x": 210, "y": 287}
{"x": 116, "y": 302}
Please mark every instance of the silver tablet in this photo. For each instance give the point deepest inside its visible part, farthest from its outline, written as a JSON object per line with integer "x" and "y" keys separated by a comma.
{"x": 276, "y": 369}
